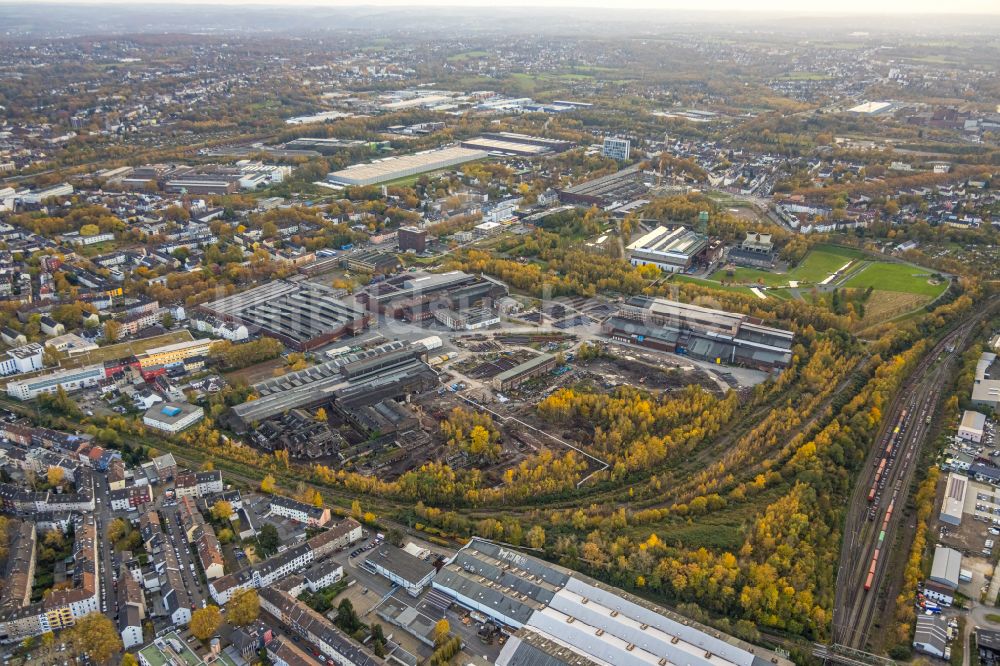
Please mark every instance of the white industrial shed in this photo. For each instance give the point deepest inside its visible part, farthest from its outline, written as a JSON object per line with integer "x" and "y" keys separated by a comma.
{"x": 973, "y": 426}
{"x": 394, "y": 168}
{"x": 953, "y": 504}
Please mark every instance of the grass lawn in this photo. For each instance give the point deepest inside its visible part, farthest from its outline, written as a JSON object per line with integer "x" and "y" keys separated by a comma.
{"x": 897, "y": 277}
{"x": 710, "y": 284}
{"x": 466, "y": 55}
{"x": 805, "y": 76}
{"x": 752, "y": 275}
{"x": 97, "y": 248}
{"x": 783, "y": 294}
{"x": 821, "y": 261}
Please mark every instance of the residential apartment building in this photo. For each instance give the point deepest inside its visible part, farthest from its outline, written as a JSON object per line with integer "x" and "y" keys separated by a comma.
{"x": 300, "y": 512}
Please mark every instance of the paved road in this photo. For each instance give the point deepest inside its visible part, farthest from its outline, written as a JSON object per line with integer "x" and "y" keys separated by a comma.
{"x": 108, "y": 569}
{"x": 175, "y": 536}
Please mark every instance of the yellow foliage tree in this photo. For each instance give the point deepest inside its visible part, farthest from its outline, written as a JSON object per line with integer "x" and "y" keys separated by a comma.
{"x": 243, "y": 608}
{"x": 205, "y": 622}
{"x": 95, "y": 635}
{"x": 441, "y": 631}
{"x": 221, "y": 510}
{"x": 55, "y": 476}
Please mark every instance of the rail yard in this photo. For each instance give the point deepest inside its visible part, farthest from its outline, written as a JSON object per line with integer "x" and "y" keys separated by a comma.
{"x": 875, "y": 512}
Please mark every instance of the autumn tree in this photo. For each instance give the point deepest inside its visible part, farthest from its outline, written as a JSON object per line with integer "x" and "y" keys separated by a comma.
{"x": 112, "y": 330}
{"x": 96, "y": 636}
{"x": 267, "y": 484}
{"x": 441, "y": 631}
{"x": 536, "y": 537}
{"x": 117, "y": 529}
{"x": 472, "y": 432}
{"x": 309, "y": 495}
{"x": 54, "y": 539}
{"x": 206, "y": 621}
{"x": 222, "y": 510}
{"x": 236, "y": 356}
{"x": 55, "y": 476}
{"x": 243, "y": 608}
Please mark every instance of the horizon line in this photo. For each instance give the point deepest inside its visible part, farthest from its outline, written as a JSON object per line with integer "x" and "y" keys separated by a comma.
{"x": 736, "y": 8}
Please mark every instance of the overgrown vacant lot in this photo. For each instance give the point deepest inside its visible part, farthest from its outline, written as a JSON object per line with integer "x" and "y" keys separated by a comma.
{"x": 885, "y": 305}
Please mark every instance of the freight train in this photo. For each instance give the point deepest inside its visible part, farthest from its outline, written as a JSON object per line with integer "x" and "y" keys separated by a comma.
{"x": 886, "y": 459}
{"x": 879, "y": 547}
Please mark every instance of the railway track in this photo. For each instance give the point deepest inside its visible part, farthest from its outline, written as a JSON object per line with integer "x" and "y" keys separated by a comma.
{"x": 876, "y": 505}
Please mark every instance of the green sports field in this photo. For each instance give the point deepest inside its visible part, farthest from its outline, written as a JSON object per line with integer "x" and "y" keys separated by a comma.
{"x": 897, "y": 277}
{"x": 821, "y": 261}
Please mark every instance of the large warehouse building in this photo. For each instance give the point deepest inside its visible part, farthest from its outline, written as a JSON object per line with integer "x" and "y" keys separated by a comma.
{"x": 510, "y": 143}
{"x": 607, "y": 191}
{"x": 303, "y": 315}
{"x": 671, "y": 249}
{"x": 394, "y": 168}
{"x": 414, "y": 297}
{"x": 712, "y": 335}
{"x": 557, "y": 616}
{"x": 352, "y": 380}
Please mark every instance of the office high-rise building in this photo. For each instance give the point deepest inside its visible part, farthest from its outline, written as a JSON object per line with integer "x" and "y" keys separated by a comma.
{"x": 615, "y": 148}
{"x": 411, "y": 238}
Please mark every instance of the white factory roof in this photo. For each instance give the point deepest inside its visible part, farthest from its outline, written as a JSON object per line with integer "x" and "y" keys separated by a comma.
{"x": 565, "y": 618}
{"x": 426, "y": 100}
{"x": 389, "y": 167}
{"x": 666, "y": 240}
{"x": 946, "y": 567}
{"x": 870, "y": 107}
{"x": 954, "y": 498}
{"x": 584, "y": 617}
{"x": 667, "y": 308}
{"x": 986, "y": 388}
{"x": 507, "y": 146}
{"x": 973, "y": 421}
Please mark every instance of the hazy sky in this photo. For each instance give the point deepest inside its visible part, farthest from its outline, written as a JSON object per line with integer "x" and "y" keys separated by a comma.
{"x": 794, "y": 6}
